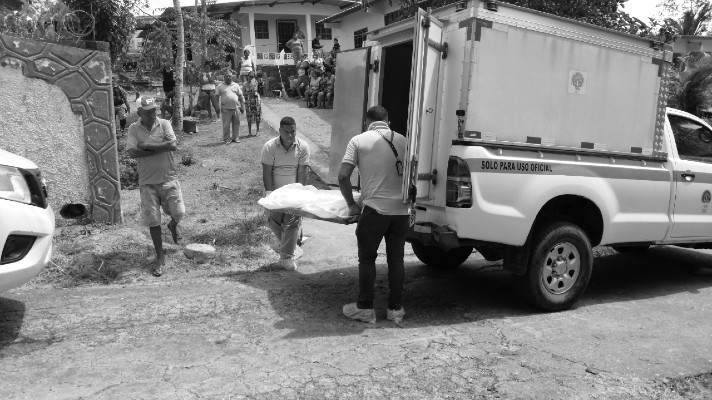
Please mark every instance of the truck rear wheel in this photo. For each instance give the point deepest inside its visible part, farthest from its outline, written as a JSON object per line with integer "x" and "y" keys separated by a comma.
{"x": 559, "y": 268}
{"x": 434, "y": 256}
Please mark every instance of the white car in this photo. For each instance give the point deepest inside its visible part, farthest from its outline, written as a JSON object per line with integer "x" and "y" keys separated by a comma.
{"x": 26, "y": 221}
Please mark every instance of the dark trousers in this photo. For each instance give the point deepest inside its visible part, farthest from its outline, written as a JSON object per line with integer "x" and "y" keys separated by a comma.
{"x": 371, "y": 228}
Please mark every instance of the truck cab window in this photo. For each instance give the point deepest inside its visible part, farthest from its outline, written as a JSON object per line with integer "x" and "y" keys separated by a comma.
{"x": 693, "y": 140}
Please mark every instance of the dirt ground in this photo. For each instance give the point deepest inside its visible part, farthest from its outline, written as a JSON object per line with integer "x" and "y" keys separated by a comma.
{"x": 96, "y": 324}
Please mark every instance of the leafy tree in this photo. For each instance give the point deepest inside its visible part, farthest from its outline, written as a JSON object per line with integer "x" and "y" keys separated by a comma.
{"x": 692, "y": 22}
{"x": 43, "y": 20}
{"x": 605, "y": 13}
{"x": 691, "y": 85}
{"x": 208, "y": 39}
{"x": 114, "y": 21}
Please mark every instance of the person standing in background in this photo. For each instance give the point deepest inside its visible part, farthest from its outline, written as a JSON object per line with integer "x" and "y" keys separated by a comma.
{"x": 246, "y": 66}
{"x": 295, "y": 45}
{"x": 207, "y": 87}
{"x": 121, "y": 104}
{"x": 231, "y": 99}
{"x": 253, "y": 105}
{"x": 169, "y": 81}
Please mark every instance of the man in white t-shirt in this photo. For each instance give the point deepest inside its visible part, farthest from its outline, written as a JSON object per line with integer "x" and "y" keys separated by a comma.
{"x": 231, "y": 99}
{"x": 378, "y": 154}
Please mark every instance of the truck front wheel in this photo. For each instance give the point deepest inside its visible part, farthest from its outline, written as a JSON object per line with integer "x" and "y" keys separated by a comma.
{"x": 434, "y": 256}
{"x": 559, "y": 268}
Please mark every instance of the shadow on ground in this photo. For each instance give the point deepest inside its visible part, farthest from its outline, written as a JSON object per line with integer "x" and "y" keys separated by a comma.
{"x": 12, "y": 314}
{"x": 309, "y": 303}
{"x": 658, "y": 272}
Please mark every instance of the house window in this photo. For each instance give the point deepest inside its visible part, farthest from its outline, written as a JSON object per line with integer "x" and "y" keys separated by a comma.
{"x": 360, "y": 37}
{"x": 261, "y": 29}
{"x": 324, "y": 33}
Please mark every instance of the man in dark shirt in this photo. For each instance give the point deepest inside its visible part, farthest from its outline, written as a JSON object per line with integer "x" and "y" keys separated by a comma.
{"x": 121, "y": 104}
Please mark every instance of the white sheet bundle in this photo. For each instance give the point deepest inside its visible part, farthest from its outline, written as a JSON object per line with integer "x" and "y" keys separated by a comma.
{"x": 321, "y": 203}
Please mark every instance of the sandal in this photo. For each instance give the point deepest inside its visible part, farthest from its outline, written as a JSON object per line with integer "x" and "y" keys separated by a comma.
{"x": 173, "y": 227}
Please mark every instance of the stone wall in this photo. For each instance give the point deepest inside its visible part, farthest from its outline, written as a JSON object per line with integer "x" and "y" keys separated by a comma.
{"x": 58, "y": 112}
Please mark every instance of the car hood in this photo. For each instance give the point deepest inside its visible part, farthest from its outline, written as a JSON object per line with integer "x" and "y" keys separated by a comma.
{"x": 13, "y": 160}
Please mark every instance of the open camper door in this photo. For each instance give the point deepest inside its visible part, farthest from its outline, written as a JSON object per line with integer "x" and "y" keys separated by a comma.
{"x": 423, "y": 110}
{"x": 350, "y": 97}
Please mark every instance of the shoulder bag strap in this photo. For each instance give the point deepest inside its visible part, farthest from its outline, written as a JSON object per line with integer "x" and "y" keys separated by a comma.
{"x": 390, "y": 143}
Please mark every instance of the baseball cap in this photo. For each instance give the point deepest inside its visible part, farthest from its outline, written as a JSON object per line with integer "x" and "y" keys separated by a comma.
{"x": 146, "y": 103}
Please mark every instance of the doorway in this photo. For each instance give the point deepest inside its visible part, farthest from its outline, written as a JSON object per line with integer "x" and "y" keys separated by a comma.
{"x": 395, "y": 84}
{"x": 285, "y": 31}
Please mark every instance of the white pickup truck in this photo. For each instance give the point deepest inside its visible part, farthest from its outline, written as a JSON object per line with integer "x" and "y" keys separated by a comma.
{"x": 532, "y": 138}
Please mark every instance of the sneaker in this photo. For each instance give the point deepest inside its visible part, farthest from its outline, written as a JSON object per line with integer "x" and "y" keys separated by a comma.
{"x": 287, "y": 264}
{"x": 228, "y": 142}
{"x": 298, "y": 253}
{"x": 235, "y": 140}
{"x": 395, "y": 315}
{"x": 367, "y": 315}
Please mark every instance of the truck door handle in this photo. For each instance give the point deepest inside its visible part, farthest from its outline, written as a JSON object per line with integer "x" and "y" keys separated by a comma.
{"x": 688, "y": 176}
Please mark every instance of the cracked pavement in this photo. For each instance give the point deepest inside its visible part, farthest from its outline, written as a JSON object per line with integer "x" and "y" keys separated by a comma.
{"x": 281, "y": 335}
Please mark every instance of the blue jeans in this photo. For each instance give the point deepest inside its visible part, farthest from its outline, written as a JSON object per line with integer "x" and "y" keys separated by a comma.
{"x": 371, "y": 228}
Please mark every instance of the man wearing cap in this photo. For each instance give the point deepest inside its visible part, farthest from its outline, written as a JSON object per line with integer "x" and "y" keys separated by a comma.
{"x": 231, "y": 98}
{"x": 152, "y": 142}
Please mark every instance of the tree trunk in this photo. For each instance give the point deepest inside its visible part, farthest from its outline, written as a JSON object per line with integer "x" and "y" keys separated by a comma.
{"x": 180, "y": 62}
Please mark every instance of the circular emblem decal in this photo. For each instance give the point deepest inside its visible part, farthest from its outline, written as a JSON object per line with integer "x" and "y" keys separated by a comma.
{"x": 706, "y": 196}
{"x": 577, "y": 80}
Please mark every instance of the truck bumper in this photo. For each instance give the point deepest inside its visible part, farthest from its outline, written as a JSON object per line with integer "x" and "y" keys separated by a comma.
{"x": 431, "y": 234}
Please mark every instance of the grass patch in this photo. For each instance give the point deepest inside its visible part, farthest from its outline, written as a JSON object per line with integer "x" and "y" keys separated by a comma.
{"x": 115, "y": 254}
{"x": 695, "y": 387}
{"x": 221, "y": 185}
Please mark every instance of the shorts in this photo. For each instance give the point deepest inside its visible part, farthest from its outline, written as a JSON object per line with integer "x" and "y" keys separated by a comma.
{"x": 120, "y": 111}
{"x": 161, "y": 195}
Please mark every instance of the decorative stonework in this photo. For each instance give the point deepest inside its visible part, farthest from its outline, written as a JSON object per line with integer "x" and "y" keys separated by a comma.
{"x": 85, "y": 77}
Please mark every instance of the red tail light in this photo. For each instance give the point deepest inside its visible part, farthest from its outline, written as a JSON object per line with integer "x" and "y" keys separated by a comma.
{"x": 459, "y": 184}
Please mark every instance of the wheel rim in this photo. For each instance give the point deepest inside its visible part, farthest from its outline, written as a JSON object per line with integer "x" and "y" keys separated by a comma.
{"x": 561, "y": 268}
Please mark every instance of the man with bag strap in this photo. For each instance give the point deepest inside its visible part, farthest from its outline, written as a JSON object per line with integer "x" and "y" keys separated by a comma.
{"x": 382, "y": 214}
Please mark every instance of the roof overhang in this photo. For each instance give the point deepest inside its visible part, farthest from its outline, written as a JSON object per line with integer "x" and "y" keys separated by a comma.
{"x": 225, "y": 7}
{"x": 348, "y": 11}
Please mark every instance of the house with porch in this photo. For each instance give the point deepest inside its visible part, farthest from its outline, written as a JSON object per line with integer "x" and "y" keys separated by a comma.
{"x": 267, "y": 25}
{"x": 352, "y": 24}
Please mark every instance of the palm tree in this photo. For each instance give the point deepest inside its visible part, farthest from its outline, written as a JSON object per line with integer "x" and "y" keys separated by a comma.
{"x": 180, "y": 61}
{"x": 691, "y": 22}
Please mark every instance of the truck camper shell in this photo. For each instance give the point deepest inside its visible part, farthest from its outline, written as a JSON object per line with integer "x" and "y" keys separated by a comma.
{"x": 503, "y": 77}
